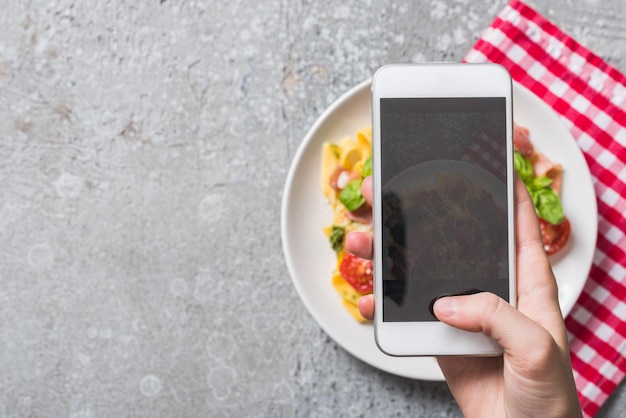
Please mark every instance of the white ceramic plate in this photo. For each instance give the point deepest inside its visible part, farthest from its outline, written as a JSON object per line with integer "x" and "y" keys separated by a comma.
{"x": 305, "y": 212}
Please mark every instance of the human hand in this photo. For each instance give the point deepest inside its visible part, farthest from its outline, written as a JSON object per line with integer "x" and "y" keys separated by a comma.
{"x": 533, "y": 377}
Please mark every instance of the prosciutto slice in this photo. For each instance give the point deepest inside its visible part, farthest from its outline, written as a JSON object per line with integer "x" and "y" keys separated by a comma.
{"x": 521, "y": 141}
{"x": 542, "y": 166}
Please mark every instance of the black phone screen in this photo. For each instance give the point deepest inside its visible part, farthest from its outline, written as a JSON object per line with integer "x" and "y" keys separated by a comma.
{"x": 444, "y": 201}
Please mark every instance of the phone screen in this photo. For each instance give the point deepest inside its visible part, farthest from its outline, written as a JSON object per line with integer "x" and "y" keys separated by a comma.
{"x": 444, "y": 201}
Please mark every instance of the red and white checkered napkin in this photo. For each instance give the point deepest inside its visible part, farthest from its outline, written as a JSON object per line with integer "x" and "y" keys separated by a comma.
{"x": 590, "y": 97}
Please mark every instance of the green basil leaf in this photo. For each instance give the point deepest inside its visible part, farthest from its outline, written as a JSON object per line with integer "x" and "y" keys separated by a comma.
{"x": 337, "y": 234}
{"x": 351, "y": 196}
{"x": 545, "y": 199}
{"x": 548, "y": 205}
{"x": 367, "y": 168}
{"x": 539, "y": 182}
{"x": 523, "y": 166}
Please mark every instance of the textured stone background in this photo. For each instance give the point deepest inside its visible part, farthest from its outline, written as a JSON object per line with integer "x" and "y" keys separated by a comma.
{"x": 144, "y": 146}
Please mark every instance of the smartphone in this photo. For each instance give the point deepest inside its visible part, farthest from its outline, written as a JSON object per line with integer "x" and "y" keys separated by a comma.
{"x": 443, "y": 201}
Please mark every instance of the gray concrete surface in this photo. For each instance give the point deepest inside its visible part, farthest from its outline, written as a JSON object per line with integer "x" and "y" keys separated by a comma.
{"x": 144, "y": 148}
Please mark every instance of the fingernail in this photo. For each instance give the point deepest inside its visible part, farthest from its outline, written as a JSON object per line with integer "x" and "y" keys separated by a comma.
{"x": 362, "y": 303}
{"x": 446, "y": 307}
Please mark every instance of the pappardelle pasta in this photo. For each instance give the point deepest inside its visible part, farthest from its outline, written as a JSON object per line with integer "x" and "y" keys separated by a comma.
{"x": 344, "y": 166}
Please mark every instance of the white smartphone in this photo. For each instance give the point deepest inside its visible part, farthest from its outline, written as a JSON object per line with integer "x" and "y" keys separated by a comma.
{"x": 443, "y": 201}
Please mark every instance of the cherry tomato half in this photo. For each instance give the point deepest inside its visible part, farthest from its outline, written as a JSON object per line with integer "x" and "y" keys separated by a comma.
{"x": 358, "y": 272}
{"x": 554, "y": 236}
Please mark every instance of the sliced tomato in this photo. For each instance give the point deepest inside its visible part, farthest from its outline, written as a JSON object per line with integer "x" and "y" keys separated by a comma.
{"x": 554, "y": 236}
{"x": 358, "y": 272}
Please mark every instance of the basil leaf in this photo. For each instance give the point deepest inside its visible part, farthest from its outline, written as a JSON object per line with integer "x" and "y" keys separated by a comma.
{"x": 545, "y": 199}
{"x": 367, "y": 168}
{"x": 539, "y": 182}
{"x": 523, "y": 166}
{"x": 548, "y": 205}
{"x": 351, "y": 196}
{"x": 337, "y": 234}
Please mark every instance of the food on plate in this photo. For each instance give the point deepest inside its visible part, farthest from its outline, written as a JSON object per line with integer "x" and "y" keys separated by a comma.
{"x": 344, "y": 166}
{"x": 543, "y": 179}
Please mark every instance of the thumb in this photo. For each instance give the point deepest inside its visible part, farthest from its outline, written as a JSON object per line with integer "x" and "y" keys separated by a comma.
{"x": 487, "y": 313}
{"x": 535, "y": 372}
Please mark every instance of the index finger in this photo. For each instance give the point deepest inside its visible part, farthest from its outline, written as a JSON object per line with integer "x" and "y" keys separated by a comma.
{"x": 366, "y": 189}
{"x": 361, "y": 243}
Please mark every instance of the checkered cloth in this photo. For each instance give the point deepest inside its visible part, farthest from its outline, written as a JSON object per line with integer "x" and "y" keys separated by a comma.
{"x": 590, "y": 97}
